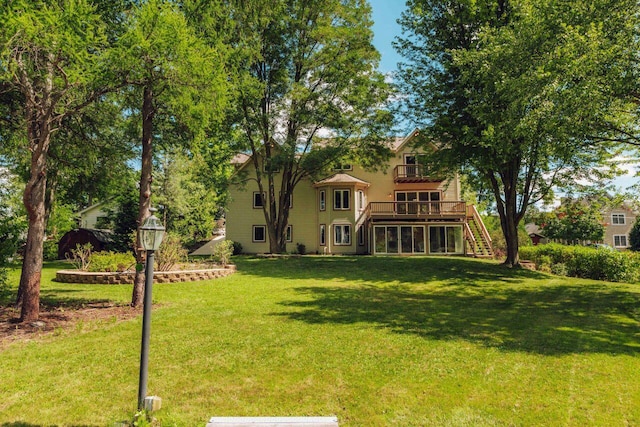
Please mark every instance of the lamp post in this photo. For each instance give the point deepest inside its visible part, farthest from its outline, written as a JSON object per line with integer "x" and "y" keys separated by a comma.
{"x": 151, "y": 233}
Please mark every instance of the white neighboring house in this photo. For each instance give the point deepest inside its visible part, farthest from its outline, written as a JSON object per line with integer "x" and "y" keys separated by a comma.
{"x": 92, "y": 216}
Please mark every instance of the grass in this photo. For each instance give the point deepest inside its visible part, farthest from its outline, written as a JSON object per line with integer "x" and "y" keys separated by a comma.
{"x": 374, "y": 341}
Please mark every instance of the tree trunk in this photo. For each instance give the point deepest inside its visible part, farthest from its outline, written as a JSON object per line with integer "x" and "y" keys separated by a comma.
{"x": 34, "y": 203}
{"x": 510, "y": 230}
{"x": 509, "y": 218}
{"x": 148, "y": 113}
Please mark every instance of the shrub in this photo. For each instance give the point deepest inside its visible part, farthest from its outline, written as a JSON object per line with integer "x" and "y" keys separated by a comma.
{"x": 559, "y": 269}
{"x": 5, "y": 290}
{"x": 237, "y": 248}
{"x": 110, "y": 261}
{"x": 544, "y": 263}
{"x": 50, "y": 250}
{"x": 171, "y": 252}
{"x": 302, "y": 249}
{"x": 223, "y": 251}
{"x": 81, "y": 256}
{"x": 585, "y": 262}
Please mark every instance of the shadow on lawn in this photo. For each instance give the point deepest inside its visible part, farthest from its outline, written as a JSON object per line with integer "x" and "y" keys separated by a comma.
{"x": 555, "y": 320}
{"x": 21, "y": 424}
{"x": 485, "y": 306}
{"x": 370, "y": 269}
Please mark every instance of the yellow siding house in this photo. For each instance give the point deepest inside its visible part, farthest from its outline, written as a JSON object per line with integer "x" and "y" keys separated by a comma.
{"x": 399, "y": 211}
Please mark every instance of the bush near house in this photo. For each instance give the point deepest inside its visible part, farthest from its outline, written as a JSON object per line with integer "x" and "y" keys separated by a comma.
{"x": 110, "y": 261}
{"x": 584, "y": 262}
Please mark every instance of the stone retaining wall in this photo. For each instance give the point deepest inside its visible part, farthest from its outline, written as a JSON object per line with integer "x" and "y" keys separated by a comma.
{"x": 77, "y": 276}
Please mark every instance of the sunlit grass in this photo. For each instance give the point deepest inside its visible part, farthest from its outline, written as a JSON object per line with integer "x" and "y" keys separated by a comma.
{"x": 374, "y": 341}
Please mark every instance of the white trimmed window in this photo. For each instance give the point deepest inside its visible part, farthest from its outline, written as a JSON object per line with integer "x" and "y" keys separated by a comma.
{"x": 341, "y": 199}
{"x": 342, "y": 235}
{"x": 259, "y": 233}
{"x": 258, "y": 199}
{"x": 323, "y": 200}
{"x": 360, "y": 200}
{"x": 617, "y": 219}
{"x": 289, "y": 234}
{"x": 343, "y": 167}
{"x": 620, "y": 241}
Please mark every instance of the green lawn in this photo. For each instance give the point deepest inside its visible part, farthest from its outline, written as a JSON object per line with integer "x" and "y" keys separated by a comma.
{"x": 374, "y": 341}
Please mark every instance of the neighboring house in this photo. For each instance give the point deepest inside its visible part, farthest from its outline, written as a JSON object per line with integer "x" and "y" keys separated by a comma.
{"x": 618, "y": 222}
{"x": 94, "y": 216}
{"x": 398, "y": 211}
{"x": 535, "y": 233}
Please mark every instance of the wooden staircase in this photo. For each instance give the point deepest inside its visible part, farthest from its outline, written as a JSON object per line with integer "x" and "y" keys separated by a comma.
{"x": 476, "y": 235}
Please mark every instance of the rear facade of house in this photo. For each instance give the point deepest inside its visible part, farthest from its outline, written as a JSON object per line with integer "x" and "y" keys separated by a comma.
{"x": 399, "y": 211}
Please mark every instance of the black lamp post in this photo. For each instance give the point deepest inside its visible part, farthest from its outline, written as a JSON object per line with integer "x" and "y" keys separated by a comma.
{"x": 151, "y": 233}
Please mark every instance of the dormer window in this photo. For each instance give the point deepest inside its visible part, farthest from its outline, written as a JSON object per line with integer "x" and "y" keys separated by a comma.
{"x": 343, "y": 167}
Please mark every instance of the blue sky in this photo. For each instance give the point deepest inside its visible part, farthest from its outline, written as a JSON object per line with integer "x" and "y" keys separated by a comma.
{"x": 385, "y": 28}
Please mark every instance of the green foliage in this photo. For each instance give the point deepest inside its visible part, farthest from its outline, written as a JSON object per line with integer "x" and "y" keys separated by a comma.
{"x": 586, "y": 262}
{"x": 124, "y": 216}
{"x": 237, "y": 248}
{"x": 559, "y": 269}
{"x": 223, "y": 251}
{"x": 110, "y": 261}
{"x": 634, "y": 236}
{"x": 498, "y": 241}
{"x": 301, "y": 248}
{"x": 60, "y": 221}
{"x": 171, "y": 252}
{"x": 305, "y": 66}
{"x": 189, "y": 205}
{"x": 573, "y": 222}
{"x": 517, "y": 97}
{"x": 50, "y": 250}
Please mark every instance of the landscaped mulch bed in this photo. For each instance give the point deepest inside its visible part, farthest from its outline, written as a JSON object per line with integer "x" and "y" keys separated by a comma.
{"x": 58, "y": 319}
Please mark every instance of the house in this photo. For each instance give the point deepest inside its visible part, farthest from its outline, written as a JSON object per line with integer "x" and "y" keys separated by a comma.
{"x": 94, "y": 216}
{"x": 535, "y": 233}
{"x": 401, "y": 210}
{"x": 618, "y": 222}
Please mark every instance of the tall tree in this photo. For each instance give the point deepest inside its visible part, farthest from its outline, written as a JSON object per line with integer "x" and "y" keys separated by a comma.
{"x": 515, "y": 92}
{"x": 189, "y": 205}
{"x": 305, "y": 69}
{"x": 173, "y": 77}
{"x": 50, "y": 53}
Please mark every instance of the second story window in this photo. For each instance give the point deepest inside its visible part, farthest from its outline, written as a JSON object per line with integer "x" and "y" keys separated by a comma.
{"x": 341, "y": 199}
{"x": 258, "y": 199}
{"x": 617, "y": 219}
{"x": 343, "y": 167}
{"x": 323, "y": 200}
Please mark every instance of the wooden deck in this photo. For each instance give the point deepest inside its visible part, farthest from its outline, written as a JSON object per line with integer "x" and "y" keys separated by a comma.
{"x": 412, "y": 211}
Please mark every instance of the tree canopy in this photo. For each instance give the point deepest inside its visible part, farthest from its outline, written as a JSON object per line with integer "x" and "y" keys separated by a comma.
{"x": 308, "y": 93}
{"x": 175, "y": 84}
{"x": 50, "y": 60}
{"x": 518, "y": 94}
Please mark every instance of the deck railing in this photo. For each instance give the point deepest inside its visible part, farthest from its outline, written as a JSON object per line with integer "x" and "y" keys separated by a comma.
{"x": 413, "y": 172}
{"x": 417, "y": 209}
